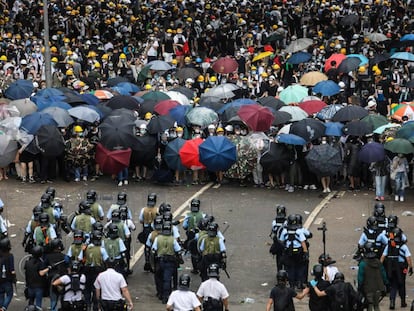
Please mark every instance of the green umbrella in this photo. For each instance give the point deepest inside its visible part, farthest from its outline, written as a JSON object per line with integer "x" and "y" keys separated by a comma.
{"x": 293, "y": 94}
{"x": 144, "y": 74}
{"x": 375, "y": 120}
{"x": 406, "y": 131}
{"x": 155, "y": 95}
{"x": 201, "y": 116}
{"x": 399, "y": 145}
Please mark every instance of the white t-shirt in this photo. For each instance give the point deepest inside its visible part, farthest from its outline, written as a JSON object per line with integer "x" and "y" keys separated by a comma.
{"x": 110, "y": 283}
{"x": 213, "y": 288}
{"x": 182, "y": 300}
{"x": 70, "y": 295}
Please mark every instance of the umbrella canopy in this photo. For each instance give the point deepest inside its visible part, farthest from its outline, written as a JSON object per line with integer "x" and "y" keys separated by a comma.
{"x": 362, "y": 58}
{"x": 290, "y": 139}
{"x": 117, "y": 131}
{"x": 403, "y": 110}
{"x": 217, "y": 153}
{"x": 236, "y": 104}
{"x": 336, "y": 57}
{"x": 112, "y": 162}
{"x": 406, "y": 131}
{"x": 90, "y": 99}
{"x": 375, "y": 120}
{"x": 399, "y": 145}
{"x": 10, "y": 126}
{"x": 312, "y": 77}
{"x": 349, "y": 64}
{"x": 24, "y": 106}
{"x": 349, "y": 20}
{"x": 172, "y": 154}
{"x": 114, "y": 81}
{"x": 123, "y": 101}
{"x": 324, "y": 160}
{"x": 281, "y": 117}
{"x": 189, "y": 154}
{"x": 357, "y": 128}
{"x": 276, "y": 159}
{"x": 163, "y": 107}
{"x": 379, "y": 58}
{"x": 85, "y": 114}
{"x": 48, "y": 92}
{"x": 326, "y": 88}
{"x": 74, "y": 99}
{"x": 159, "y": 65}
{"x": 61, "y": 116}
{"x": 189, "y": 93}
{"x": 257, "y": 117}
{"x": 349, "y": 113}
{"x": 407, "y": 37}
{"x": 225, "y": 65}
{"x": 270, "y": 101}
{"x": 103, "y": 94}
{"x": 377, "y": 37}
{"x": 333, "y": 129}
{"x": 383, "y": 128}
{"x": 187, "y": 73}
{"x": 299, "y": 57}
{"x": 328, "y": 112}
{"x": 7, "y": 111}
{"x": 159, "y": 124}
{"x": 293, "y": 94}
{"x": 201, "y": 116}
{"x": 211, "y": 102}
{"x": 262, "y": 55}
{"x": 298, "y": 45}
{"x": 49, "y": 141}
{"x": 222, "y": 91}
{"x": 32, "y": 122}
{"x": 312, "y": 106}
{"x": 179, "y": 97}
{"x": 8, "y": 150}
{"x": 178, "y": 114}
{"x": 144, "y": 150}
{"x": 407, "y": 56}
{"x": 296, "y": 112}
{"x": 127, "y": 88}
{"x": 371, "y": 152}
{"x": 309, "y": 129}
{"x": 155, "y": 95}
{"x": 19, "y": 89}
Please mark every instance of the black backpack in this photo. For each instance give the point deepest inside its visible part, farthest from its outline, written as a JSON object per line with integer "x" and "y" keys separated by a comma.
{"x": 345, "y": 298}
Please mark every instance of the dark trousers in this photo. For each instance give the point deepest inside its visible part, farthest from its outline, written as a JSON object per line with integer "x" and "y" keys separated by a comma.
{"x": 47, "y": 168}
{"x": 109, "y": 305}
{"x": 90, "y": 294}
{"x": 167, "y": 267}
{"x": 295, "y": 267}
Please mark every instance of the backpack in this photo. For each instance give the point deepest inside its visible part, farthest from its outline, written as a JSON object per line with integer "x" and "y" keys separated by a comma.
{"x": 345, "y": 297}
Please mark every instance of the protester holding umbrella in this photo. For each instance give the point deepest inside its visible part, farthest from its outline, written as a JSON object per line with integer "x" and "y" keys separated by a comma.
{"x": 352, "y": 148}
{"x": 26, "y": 160}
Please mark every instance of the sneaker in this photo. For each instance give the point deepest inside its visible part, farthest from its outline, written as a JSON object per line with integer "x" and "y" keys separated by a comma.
{"x": 77, "y": 179}
{"x": 24, "y": 179}
{"x": 305, "y": 187}
{"x": 312, "y": 187}
{"x": 120, "y": 184}
{"x": 377, "y": 198}
{"x": 396, "y": 198}
{"x": 291, "y": 189}
{"x": 125, "y": 182}
{"x": 382, "y": 198}
{"x": 287, "y": 187}
{"x": 31, "y": 180}
{"x": 328, "y": 190}
{"x": 43, "y": 181}
{"x": 324, "y": 191}
{"x": 401, "y": 199}
{"x": 85, "y": 178}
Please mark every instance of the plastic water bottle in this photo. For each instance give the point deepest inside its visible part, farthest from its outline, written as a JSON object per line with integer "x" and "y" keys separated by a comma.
{"x": 3, "y": 272}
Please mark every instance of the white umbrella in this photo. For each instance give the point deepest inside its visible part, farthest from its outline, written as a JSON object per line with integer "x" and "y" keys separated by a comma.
{"x": 297, "y": 113}
{"x": 222, "y": 91}
{"x": 84, "y": 113}
{"x": 159, "y": 65}
{"x": 377, "y": 37}
{"x": 180, "y": 97}
{"x": 299, "y": 45}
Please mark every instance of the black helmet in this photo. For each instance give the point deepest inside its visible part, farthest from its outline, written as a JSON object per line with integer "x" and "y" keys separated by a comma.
{"x": 292, "y": 222}
{"x": 280, "y": 211}
{"x": 392, "y": 221}
{"x": 75, "y": 266}
{"x": 282, "y": 276}
{"x": 98, "y": 226}
{"x": 91, "y": 196}
{"x": 96, "y": 237}
{"x": 158, "y": 223}
{"x": 396, "y": 235}
{"x": 339, "y": 276}
{"x": 116, "y": 215}
{"x": 37, "y": 210}
{"x": 122, "y": 198}
{"x": 379, "y": 211}
{"x": 123, "y": 212}
{"x": 212, "y": 229}
{"x": 325, "y": 260}
{"x": 203, "y": 223}
{"x": 37, "y": 251}
{"x": 195, "y": 205}
{"x": 317, "y": 271}
{"x": 78, "y": 237}
{"x": 213, "y": 270}
{"x": 113, "y": 231}
{"x": 44, "y": 219}
{"x": 56, "y": 244}
{"x": 45, "y": 200}
{"x": 379, "y": 205}
{"x": 167, "y": 216}
{"x": 164, "y": 207}
{"x": 184, "y": 282}
{"x": 51, "y": 191}
{"x": 152, "y": 199}
{"x": 299, "y": 220}
{"x": 372, "y": 223}
{"x": 166, "y": 228}
{"x": 84, "y": 207}
{"x": 5, "y": 244}
{"x": 370, "y": 250}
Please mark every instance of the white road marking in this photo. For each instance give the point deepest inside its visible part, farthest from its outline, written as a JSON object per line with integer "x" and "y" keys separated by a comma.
{"x": 317, "y": 209}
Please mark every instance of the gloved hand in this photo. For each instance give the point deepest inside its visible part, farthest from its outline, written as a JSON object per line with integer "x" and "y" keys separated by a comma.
{"x": 14, "y": 278}
{"x": 313, "y": 283}
{"x": 410, "y": 271}
{"x": 24, "y": 243}
{"x": 305, "y": 256}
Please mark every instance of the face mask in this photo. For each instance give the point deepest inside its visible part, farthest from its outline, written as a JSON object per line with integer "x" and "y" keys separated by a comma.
{"x": 179, "y": 134}
{"x": 197, "y": 130}
{"x": 243, "y": 132}
{"x": 237, "y": 132}
{"x": 142, "y": 131}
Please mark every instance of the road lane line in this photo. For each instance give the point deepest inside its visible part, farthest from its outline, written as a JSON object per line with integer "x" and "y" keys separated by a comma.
{"x": 179, "y": 211}
{"x": 317, "y": 209}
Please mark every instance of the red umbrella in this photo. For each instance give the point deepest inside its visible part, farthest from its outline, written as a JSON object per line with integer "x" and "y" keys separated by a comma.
{"x": 163, "y": 107}
{"x": 112, "y": 162}
{"x": 312, "y": 106}
{"x": 337, "y": 57}
{"x": 225, "y": 65}
{"x": 257, "y": 117}
{"x": 189, "y": 154}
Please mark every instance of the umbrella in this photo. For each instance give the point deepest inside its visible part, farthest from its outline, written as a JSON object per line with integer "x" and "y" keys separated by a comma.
{"x": 336, "y": 57}
{"x": 293, "y": 94}
{"x": 309, "y": 129}
{"x": 274, "y": 37}
{"x": 324, "y": 160}
{"x": 296, "y": 112}
{"x": 225, "y": 65}
{"x": 159, "y": 65}
{"x": 84, "y": 113}
{"x": 211, "y": 102}
{"x": 357, "y": 128}
{"x": 117, "y": 131}
{"x": 147, "y": 106}
{"x": 127, "y": 87}
{"x": 189, "y": 154}
{"x": 144, "y": 150}
{"x": 312, "y": 106}
{"x": 378, "y": 58}
{"x": 299, "y": 57}
{"x": 159, "y": 124}
{"x": 406, "y": 131}
{"x": 399, "y": 145}
{"x": 349, "y": 64}
{"x": 155, "y": 95}
{"x": 326, "y": 88}
{"x": 349, "y": 20}
{"x": 124, "y": 112}
{"x": 375, "y": 120}
{"x": 7, "y": 111}
{"x": 74, "y": 100}
{"x": 281, "y": 117}
{"x": 49, "y": 141}
{"x": 163, "y": 107}
{"x": 377, "y": 37}
{"x": 189, "y": 93}
{"x": 382, "y": 128}
{"x": 236, "y": 104}
{"x": 298, "y": 45}
{"x": 103, "y": 94}
{"x": 312, "y": 77}
{"x": 19, "y": 89}
{"x": 371, "y": 152}
{"x": 276, "y": 159}
{"x": 114, "y": 81}
{"x": 328, "y": 112}
{"x": 349, "y": 113}
{"x": 61, "y": 116}
{"x": 179, "y": 97}
{"x": 32, "y": 122}
{"x": 403, "y": 110}
{"x": 112, "y": 162}
{"x": 363, "y": 59}
{"x": 290, "y": 139}
{"x": 403, "y": 56}
{"x": 262, "y": 55}
{"x": 123, "y": 101}
{"x": 172, "y": 154}
{"x": 333, "y": 129}
{"x": 178, "y": 114}
{"x": 222, "y": 90}
{"x": 217, "y": 153}
{"x": 270, "y": 101}
{"x": 407, "y": 37}
{"x": 24, "y": 106}
{"x": 90, "y": 99}
{"x": 187, "y": 73}
{"x": 8, "y": 150}
{"x": 53, "y": 101}
{"x": 10, "y": 126}
{"x": 48, "y": 92}
{"x": 201, "y": 116}
{"x": 257, "y": 117}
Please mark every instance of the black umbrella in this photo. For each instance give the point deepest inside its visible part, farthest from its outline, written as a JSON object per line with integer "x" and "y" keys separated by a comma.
{"x": 74, "y": 99}
{"x": 187, "y": 72}
{"x": 189, "y": 93}
{"x": 159, "y": 124}
{"x": 123, "y": 101}
{"x": 349, "y": 20}
{"x": 211, "y": 102}
{"x": 123, "y": 112}
{"x": 281, "y": 117}
{"x": 410, "y": 84}
{"x": 309, "y": 129}
{"x": 276, "y": 159}
{"x": 49, "y": 141}
{"x": 117, "y": 132}
{"x": 324, "y": 160}
{"x": 349, "y": 113}
{"x": 357, "y": 128}
{"x": 104, "y": 108}
{"x": 379, "y": 58}
{"x": 272, "y": 102}
{"x": 349, "y": 64}
{"x": 114, "y": 81}
{"x": 144, "y": 150}
{"x": 147, "y": 106}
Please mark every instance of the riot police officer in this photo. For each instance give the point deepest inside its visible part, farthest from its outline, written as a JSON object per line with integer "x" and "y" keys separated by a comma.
{"x": 28, "y": 240}
{"x": 121, "y": 200}
{"x": 379, "y": 213}
{"x": 158, "y": 222}
{"x": 372, "y": 233}
{"x": 115, "y": 248}
{"x": 84, "y": 220}
{"x": 146, "y": 217}
{"x": 46, "y": 204}
{"x": 77, "y": 246}
{"x": 277, "y": 226}
{"x": 183, "y": 298}
{"x": 96, "y": 209}
{"x": 44, "y": 233}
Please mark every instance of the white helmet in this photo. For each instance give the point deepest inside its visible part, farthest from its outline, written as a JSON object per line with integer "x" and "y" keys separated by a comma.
{"x": 189, "y": 80}
{"x": 143, "y": 126}
{"x": 341, "y": 84}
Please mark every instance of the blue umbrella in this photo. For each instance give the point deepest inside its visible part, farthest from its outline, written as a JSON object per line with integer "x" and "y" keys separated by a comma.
{"x": 99, "y": 111}
{"x": 328, "y": 112}
{"x": 178, "y": 114}
{"x": 172, "y": 154}
{"x": 60, "y": 104}
{"x": 217, "y": 153}
{"x": 19, "y": 89}
{"x": 371, "y": 152}
{"x": 126, "y": 88}
{"x": 333, "y": 128}
{"x": 90, "y": 99}
{"x": 47, "y": 99}
{"x": 32, "y": 122}
{"x": 48, "y": 92}
{"x": 407, "y": 37}
{"x": 403, "y": 56}
{"x": 290, "y": 139}
{"x": 236, "y": 103}
{"x": 326, "y": 88}
{"x": 299, "y": 57}
{"x": 364, "y": 60}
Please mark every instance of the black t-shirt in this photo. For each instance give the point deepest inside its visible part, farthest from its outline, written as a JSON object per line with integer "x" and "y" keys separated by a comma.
{"x": 282, "y": 298}
{"x": 32, "y": 268}
{"x": 317, "y": 303}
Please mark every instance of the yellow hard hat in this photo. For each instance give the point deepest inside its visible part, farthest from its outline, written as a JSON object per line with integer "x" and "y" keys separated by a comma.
{"x": 174, "y": 61}
{"x": 148, "y": 116}
{"x": 91, "y": 54}
{"x": 253, "y": 68}
{"x": 54, "y": 60}
{"x": 122, "y": 56}
{"x": 185, "y": 12}
{"x": 274, "y": 27}
{"x": 213, "y": 79}
{"x": 3, "y": 58}
{"x": 378, "y": 72}
{"x": 220, "y": 130}
{"x": 374, "y": 68}
{"x": 264, "y": 74}
{"x": 200, "y": 78}
{"x": 69, "y": 53}
{"x": 361, "y": 69}
{"x": 97, "y": 65}
{"x": 179, "y": 129}
{"x": 169, "y": 30}
{"x": 78, "y": 129}
{"x": 343, "y": 51}
{"x": 276, "y": 67}
{"x": 105, "y": 56}
{"x": 53, "y": 49}
{"x": 321, "y": 47}
{"x": 66, "y": 40}
{"x": 148, "y": 86}
{"x": 187, "y": 59}
{"x": 189, "y": 19}
{"x": 69, "y": 72}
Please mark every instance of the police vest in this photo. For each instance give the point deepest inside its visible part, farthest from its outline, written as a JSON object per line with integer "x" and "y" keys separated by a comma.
{"x": 194, "y": 219}
{"x": 211, "y": 245}
{"x": 50, "y": 211}
{"x": 94, "y": 256}
{"x": 75, "y": 250}
{"x": 149, "y": 215}
{"x": 42, "y": 235}
{"x": 121, "y": 230}
{"x": 396, "y": 253}
{"x": 372, "y": 236}
{"x": 83, "y": 222}
{"x": 201, "y": 236}
{"x": 95, "y": 211}
{"x": 112, "y": 247}
{"x": 165, "y": 245}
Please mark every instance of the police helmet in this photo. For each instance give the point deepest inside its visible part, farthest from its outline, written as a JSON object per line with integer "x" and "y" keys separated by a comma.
{"x": 379, "y": 212}
{"x": 123, "y": 212}
{"x": 339, "y": 276}
{"x": 122, "y": 198}
{"x": 37, "y": 251}
{"x": 152, "y": 199}
{"x": 325, "y": 260}
{"x": 392, "y": 221}
{"x": 51, "y": 191}
{"x": 212, "y": 229}
{"x": 75, "y": 266}
{"x": 213, "y": 270}
{"x": 299, "y": 220}
{"x": 280, "y": 211}
{"x": 167, "y": 216}
{"x": 292, "y": 222}
{"x": 37, "y": 210}
{"x": 45, "y": 200}
{"x": 369, "y": 250}
{"x": 195, "y": 205}
{"x": 84, "y": 207}
{"x": 113, "y": 231}
{"x": 96, "y": 237}
{"x": 317, "y": 271}
{"x": 116, "y": 215}
{"x": 5, "y": 244}
{"x": 56, "y": 244}
{"x": 184, "y": 282}
{"x": 78, "y": 237}
{"x": 282, "y": 276}
{"x": 44, "y": 219}
{"x": 166, "y": 228}
{"x": 397, "y": 235}
{"x": 158, "y": 221}
{"x": 91, "y": 196}
{"x": 372, "y": 223}
{"x": 98, "y": 226}
{"x": 164, "y": 207}
{"x": 203, "y": 223}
